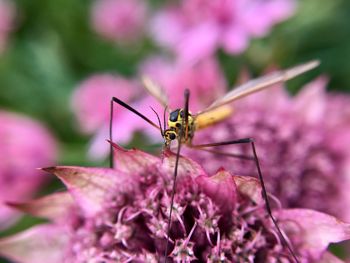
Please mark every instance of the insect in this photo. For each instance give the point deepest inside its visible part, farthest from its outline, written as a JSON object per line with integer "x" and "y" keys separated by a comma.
{"x": 182, "y": 125}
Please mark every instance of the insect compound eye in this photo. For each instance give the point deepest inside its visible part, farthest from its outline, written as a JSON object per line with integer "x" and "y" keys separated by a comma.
{"x": 173, "y": 115}
{"x": 172, "y": 136}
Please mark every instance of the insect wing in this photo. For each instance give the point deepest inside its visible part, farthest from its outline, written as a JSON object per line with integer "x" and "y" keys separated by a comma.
{"x": 261, "y": 83}
{"x": 155, "y": 90}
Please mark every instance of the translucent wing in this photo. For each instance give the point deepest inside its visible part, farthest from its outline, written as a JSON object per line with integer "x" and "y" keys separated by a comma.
{"x": 263, "y": 82}
{"x": 155, "y": 90}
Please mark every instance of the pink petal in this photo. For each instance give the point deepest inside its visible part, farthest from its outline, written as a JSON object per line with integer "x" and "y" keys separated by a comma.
{"x": 197, "y": 43}
{"x": 279, "y": 10}
{"x": 313, "y": 231}
{"x": 221, "y": 188}
{"x": 119, "y": 20}
{"x": 311, "y": 101}
{"x": 125, "y": 124}
{"x": 91, "y": 99}
{"x": 8, "y": 216}
{"x": 161, "y": 23}
{"x": 235, "y": 40}
{"x": 258, "y": 17}
{"x": 124, "y": 128}
{"x": 54, "y": 207}
{"x": 91, "y": 187}
{"x": 44, "y": 243}
{"x": 250, "y": 187}
{"x": 133, "y": 161}
{"x": 187, "y": 167}
{"x": 328, "y": 257}
{"x": 25, "y": 145}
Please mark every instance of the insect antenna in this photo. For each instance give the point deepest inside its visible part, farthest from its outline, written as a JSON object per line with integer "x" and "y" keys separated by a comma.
{"x": 128, "y": 107}
{"x": 160, "y": 124}
{"x": 261, "y": 179}
{"x": 180, "y": 136}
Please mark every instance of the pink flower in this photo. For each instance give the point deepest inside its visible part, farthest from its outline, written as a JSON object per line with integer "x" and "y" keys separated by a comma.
{"x": 120, "y": 215}
{"x": 119, "y": 20}
{"x": 303, "y": 144}
{"x": 7, "y": 14}
{"x": 197, "y": 28}
{"x": 91, "y": 105}
{"x": 25, "y": 146}
{"x": 204, "y": 79}
{"x": 91, "y": 99}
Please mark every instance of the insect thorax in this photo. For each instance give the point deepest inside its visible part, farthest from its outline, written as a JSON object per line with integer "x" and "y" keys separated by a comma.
{"x": 175, "y": 122}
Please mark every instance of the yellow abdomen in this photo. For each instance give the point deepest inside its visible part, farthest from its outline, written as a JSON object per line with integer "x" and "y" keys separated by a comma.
{"x": 212, "y": 117}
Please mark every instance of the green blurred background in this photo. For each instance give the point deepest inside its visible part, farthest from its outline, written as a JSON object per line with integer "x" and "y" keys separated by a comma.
{"x": 53, "y": 48}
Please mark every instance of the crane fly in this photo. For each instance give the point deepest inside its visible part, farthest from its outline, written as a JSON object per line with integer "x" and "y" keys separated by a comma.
{"x": 182, "y": 126}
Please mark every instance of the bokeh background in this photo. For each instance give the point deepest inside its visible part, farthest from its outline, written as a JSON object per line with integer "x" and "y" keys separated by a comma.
{"x": 52, "y": 46}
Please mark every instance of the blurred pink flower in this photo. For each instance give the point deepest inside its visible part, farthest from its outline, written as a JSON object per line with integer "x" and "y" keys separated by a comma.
{"x": 119, "y": 20}
{"x": 303, "y": 143}
{"x": 25, "y": 146}
{"x": 91, "y": 99}
{"x": 197, "y": 28}
{"x": 204, "y": 79}
{"x": 91, "y": 105}
{"x": 7, "y": 15}
{"x": 120, "y": 215}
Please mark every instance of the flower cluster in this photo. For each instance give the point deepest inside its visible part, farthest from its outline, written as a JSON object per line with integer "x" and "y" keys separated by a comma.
{"x": 25, "y": 146}
{"x": 302, "y": 143}
{"x": 200, "y": 27}
{"x": 91, "y": 105}
{"x": 122, "y": 21}
{"x": 120, "y": 215}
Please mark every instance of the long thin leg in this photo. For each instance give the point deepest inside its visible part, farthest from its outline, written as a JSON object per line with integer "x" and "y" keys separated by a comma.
{"x": 111, "y": 154}
{"x": 128, "y": 107}
{"x": 180, "y": 136}
{"x": 264, "y": 192}
{"x": 173, "y": 195}
{"x": 234, "y": 155}
{"x": 187, "y": 97}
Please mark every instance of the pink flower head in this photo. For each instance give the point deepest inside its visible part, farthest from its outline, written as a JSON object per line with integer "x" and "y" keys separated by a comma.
{"x": 303, "y": 144}
{"x": 120, "y": 215}
{"x": 91, "y": 99}
{"x": 119, "y": 20}
{"x": 25, "y": 146}
{"x": 7, "y": 14}
{"x": 197, "y": 28}
{"x": 91, "y": 105}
